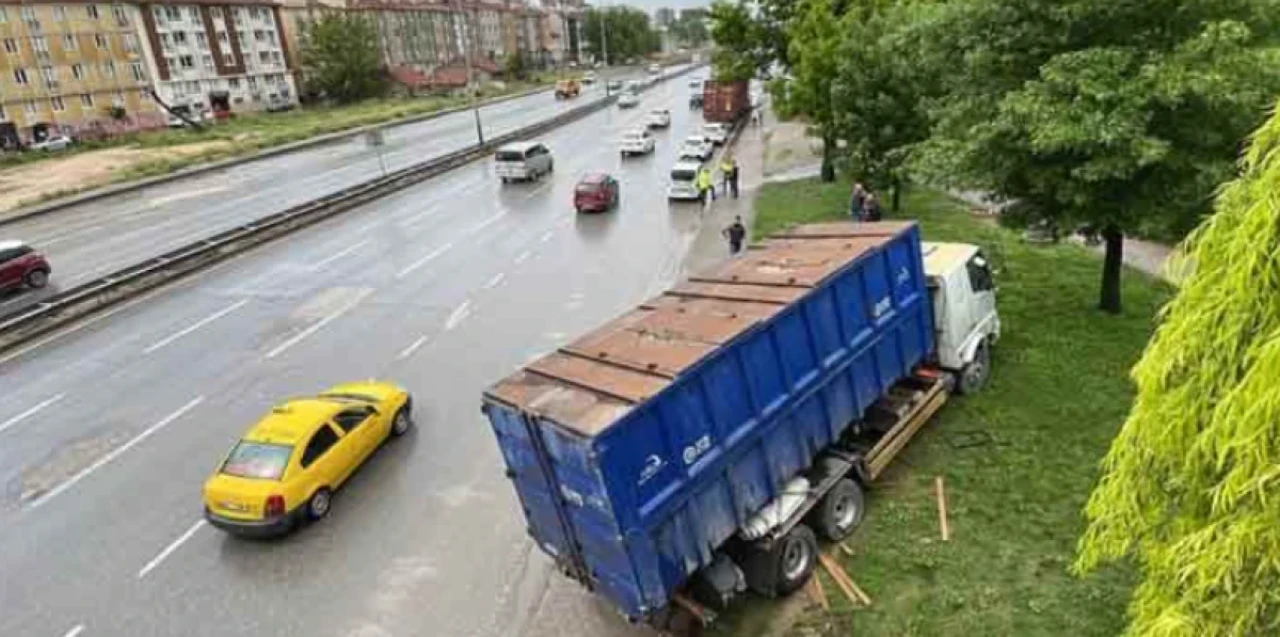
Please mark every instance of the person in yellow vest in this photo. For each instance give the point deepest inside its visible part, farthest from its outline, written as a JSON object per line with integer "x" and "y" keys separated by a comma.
{"x": 706, "y": 187}
{"x": 726, "y": 172}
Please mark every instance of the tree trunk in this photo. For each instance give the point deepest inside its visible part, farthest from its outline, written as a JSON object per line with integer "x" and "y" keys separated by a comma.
{"x": 828, "y": 166}
{"x": 1110, "y": 300}
{"x": 897, "y": 194}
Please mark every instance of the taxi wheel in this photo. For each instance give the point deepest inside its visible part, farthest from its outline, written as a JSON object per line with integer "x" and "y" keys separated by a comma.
{"x": 319, "y": 504}
{"x": 402, "y": 423}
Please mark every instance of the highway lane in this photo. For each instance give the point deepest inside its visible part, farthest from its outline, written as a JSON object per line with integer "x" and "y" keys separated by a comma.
{"x": 87, "y": 241}
{"x": 444, "y": 287}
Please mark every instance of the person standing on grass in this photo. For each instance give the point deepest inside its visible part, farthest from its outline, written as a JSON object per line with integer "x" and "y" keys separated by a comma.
{"x": 871, "y": 208}
{"x": 857, "y": 199}
{"x": 735, "y": 233}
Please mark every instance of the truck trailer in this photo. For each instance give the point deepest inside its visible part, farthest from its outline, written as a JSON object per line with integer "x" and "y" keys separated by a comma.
{"x": 696, "y": 446}
{"x": 725, "y": 102}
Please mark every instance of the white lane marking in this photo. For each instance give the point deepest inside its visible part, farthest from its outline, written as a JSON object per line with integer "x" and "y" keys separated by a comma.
{"x": 339, "y": 255}
{"x": 116, "y": 453}
{"x": 28, "y": 413}
{"x": 408, "y": 351}
{"x": 170, "y": 549}
{"x": 368, "y": 226}
{"x": 297, "y": 338}
{"x": 495, "y": 281}
{"x": 423, "y": 261}
{"x": 79, "y": 628}
{"x": 198, "y": 324}
{"x": 546, "y": 236}
{"x": 523, "y": 257}
{"x": 486, "y": 223}
{"x": 459, "y": 313}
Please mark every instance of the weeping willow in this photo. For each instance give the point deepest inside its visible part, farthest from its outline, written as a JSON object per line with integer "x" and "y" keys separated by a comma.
{"x": 1191, "y": 485}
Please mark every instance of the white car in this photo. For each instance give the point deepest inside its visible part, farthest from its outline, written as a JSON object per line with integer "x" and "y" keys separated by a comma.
{"x": 717, "y": 133}
{"x": 684, "y": 176}
{"x": 697, "y": 147}
{"x": 56, "y": 143}
{"x": 589, "y": 77}
{"x": 658, "y": 118}
{"x": 628, "y": 100}
{"x": 523, "y": 161}
{"x": 637, "y": 142}
{"x": 655, "y": 69}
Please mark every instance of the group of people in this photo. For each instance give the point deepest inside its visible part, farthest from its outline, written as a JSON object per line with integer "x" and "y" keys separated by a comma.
{"x": 863, "y": 204}
{"x": 707, "y": 185}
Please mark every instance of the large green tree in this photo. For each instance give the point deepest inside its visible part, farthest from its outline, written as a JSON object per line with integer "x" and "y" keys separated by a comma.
{"x": 340, "y": 57}
{"x": 1114, "y": 113}
{"x": 619, "y": 32}
{"x": 750, "y": 36}
{"x": 1190, "y": 485}
{"x": 814, "y": 36}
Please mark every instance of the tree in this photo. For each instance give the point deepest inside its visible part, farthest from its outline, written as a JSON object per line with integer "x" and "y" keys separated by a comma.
{"x": 340, "y": 57}
{"x": 621, "y": 32}
{"x": 514, "y": 64}
{"x": 690, "y": 29}
{"x": 1188, "y": 487}
{"x": 1112, "y": 114}
{"x": 750, "y": 36}
{"x": 815, "y": 38}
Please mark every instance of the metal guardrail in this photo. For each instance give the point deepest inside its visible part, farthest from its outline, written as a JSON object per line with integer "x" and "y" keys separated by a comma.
{"x": 90, "y": 297}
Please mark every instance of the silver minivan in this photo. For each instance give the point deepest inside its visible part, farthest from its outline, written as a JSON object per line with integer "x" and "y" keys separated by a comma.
{"x": 523, "y": 161}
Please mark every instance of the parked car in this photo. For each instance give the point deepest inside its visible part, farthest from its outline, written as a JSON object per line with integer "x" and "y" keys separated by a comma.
{"x": 613, "y": 85}
{"x": 523, "y": 161}
{"x": 684, "y": 176}
{"x": 566, "y": 89}
{"x": 697, "y": 147}
{"x": 285, "y": 469}
{"x": 21, "y": 264}
{"x": 717, "y": 133}
{"x": 280, "y": 104}
{"x": 658, "y": 118}
{"x": 596, "y": 192}
{"x": 637, "y": 142}
{"x": 628, "y": 100}
{"x": 655, "y": 68}
{"x": 53, "y": 144}
{"x": 589, "y": 77}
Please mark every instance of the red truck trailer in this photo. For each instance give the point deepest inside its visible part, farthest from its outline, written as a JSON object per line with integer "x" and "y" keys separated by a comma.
{"x": 724, "y": 102}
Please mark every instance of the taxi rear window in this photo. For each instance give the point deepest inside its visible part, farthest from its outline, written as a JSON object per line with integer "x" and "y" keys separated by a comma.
{"x": 260, "y": 461}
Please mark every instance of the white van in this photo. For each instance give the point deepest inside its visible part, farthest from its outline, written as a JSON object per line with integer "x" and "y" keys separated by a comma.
{"x": 523, "y": 161}
{"x": 684, "y": 177}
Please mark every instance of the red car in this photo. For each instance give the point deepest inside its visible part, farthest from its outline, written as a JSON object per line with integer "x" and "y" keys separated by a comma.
{"x": 596, "y": 192}
{"x": 20, "y": 265}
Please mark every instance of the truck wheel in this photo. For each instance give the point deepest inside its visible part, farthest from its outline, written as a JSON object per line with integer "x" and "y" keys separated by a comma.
{"x": 974, "y": 375}
{"x": 840, "y": 511}
{"x": 785, "y": 567}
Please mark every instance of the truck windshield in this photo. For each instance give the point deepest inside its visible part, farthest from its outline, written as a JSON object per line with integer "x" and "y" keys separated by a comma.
{"x": 682, "y": 175}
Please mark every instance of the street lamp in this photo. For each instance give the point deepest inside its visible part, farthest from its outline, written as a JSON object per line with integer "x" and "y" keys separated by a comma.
{"x": 465, "y": 34}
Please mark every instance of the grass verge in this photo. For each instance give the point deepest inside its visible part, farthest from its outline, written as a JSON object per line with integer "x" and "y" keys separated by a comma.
{"x": 1058, "y": 393}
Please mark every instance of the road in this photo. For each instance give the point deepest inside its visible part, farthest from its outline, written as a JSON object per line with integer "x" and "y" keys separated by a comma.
{"x": 93, "y": 239}
{"x": 108, "y": 431}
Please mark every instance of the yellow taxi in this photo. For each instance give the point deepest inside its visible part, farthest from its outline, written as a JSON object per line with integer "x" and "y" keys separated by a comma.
{"x": 286, "y": 468}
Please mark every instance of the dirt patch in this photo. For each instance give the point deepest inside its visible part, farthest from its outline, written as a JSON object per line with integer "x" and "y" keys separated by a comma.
{"x": 36, "y": 181}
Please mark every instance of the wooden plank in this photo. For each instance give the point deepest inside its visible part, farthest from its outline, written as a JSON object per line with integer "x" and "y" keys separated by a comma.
{"x": 942, "y": 508}
{"x": 816, "y": 592}
{"x": 897, "y": 438}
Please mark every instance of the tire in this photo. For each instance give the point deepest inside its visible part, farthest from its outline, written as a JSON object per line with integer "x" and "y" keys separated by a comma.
{"x": 319, "y": 504}
{"x": 785, "y": 567}
{"x": 36, "y": 279}
{"x": 974, "y": 376}
{"x": 402, "y": 423}
{"x": 840, "y": 512}
{"x": 551, "y": 167}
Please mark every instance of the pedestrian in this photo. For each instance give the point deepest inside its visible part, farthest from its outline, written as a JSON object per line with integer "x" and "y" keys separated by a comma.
{"x": 857, "y": 199}
{"x": 871, "y": 208}
{"x": 733, "y": 176}
{"x": 756, "y": 116}
{"x": 735, "y": 233}
{"x": 726, "y": 172}
{"x": 706, "y": 187}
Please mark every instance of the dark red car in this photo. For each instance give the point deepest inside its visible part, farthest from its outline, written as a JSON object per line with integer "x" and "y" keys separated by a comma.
{"x": 20, "y": 265}
{"x": 596, "y": 192}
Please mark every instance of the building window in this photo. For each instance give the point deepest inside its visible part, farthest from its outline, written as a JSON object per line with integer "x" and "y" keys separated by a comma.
{"x": 135, "y": 68}
{"x": 100, "y": 41}
{"x": 215, "y": 13}
{"x": 20, "y": 76}
{"x": 57, "y": 104}
{"x": 40, "y": 45}
{"x": 108, "y": 69}
{"x": 253, "y": 83}
{"x": 130, "y": 42}
{"x": 86, "y": 100}
{"x": 207, "y": 60}
{"x": 173, "y": 13}
{"x": 50, "y": 75}
{"x": 117, "y": 99}
{"x": 228, "y": 59}
{"x": 91, "y": 11}
{"x": 202, "y": 40}
{"x": 264, "y": 58}
{"x": 4, "y": 15}
{"x": 59, "y": 13}
{"x": 194, "y": 13}
{"x": 159, "y": 13}
{"x": 30, "y": 108}
{"x": 166, "y": 42}
{"x": 77, "y": 71}
{"x": 69, "y": 42}
{"x": 10, "y": 45}
{"x": 234, "y": 83}
{"x": 122, "y": 18}
{"x": 223, "y": 37}
{"x": 179, "y": 37}
{"x": 28, "y": 12}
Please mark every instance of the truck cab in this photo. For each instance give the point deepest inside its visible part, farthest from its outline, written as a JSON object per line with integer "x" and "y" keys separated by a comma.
{"x": 965, "y": 322}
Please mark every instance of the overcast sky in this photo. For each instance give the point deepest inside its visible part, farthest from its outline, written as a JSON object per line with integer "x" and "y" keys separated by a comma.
{"x": 653, "y": 5}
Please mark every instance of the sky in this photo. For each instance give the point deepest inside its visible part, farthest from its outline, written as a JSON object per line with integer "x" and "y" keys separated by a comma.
{"x": 653, "y": 5}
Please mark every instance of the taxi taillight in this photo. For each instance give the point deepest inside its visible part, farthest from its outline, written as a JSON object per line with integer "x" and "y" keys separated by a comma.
{"x": 274, "y": 506}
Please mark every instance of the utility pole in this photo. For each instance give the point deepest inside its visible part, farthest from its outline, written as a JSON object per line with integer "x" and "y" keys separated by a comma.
{"x": 604, "y": 44}
{"x": 465, "y": 33}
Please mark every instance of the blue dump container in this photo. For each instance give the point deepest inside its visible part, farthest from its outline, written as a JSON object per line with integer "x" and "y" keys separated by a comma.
{"x": 640, "y": 448}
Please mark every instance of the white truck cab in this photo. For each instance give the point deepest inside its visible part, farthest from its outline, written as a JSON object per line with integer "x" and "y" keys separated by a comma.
{"x": 965, "y": 321}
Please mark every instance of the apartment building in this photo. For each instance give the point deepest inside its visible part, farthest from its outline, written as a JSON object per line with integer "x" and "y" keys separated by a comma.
{"x": 197, "y": 50}
{"x": 73, "y": 68}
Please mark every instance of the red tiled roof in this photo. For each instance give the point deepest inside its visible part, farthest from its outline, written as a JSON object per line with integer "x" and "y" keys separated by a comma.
{"x": 449, "y": 77}
{"x": 408, "y": 76}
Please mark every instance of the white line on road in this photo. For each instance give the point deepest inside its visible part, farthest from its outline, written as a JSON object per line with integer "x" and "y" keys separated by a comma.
{"x": 486, "y": 223}
{"x": 495, "y": 281}
{"x": 338, "y": 255}
{"x": 116, "y": 453}
{"x": 75, "y": 631}
{"x": 459, "y": 313}
{"x": 408, "y": 351}
{"x": 546, "y": 236}
{"x": 423, "y": 261}
{"x": 297, "y": 338}
{"x": 523, "y": 257}
{"x": 199, "y": 324}
{"x": 28, "y": 413}
{"x": 170, "y": 549}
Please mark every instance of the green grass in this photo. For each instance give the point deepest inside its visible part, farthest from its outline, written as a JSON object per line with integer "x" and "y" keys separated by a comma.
{"x": 1058, "y": 393}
